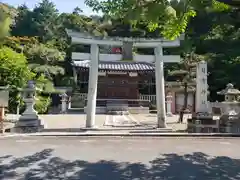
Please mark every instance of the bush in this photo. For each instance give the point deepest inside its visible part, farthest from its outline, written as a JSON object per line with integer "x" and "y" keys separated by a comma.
{"x": 14, "y": 68}
{"x": 42, "y": 104}
{"x": 14, "y": 72}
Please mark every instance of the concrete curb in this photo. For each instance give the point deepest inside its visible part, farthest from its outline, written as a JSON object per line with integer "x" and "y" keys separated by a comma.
{"x": 112, "y": 128}
{"x": 123, "y": 134}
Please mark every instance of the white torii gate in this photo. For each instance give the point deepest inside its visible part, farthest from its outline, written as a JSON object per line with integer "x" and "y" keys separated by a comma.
{"x": 94, "y": 56}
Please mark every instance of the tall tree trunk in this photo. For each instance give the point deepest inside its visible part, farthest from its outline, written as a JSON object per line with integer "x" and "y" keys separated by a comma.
{"x": 127, "y": 50}
{"x": 185, "y": 103}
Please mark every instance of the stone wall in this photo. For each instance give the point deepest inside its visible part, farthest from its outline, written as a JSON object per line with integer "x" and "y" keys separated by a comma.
{"x": 224, "y": 107}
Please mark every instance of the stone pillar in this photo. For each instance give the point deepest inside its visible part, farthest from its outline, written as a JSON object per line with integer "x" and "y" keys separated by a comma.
{"x": 169, "y": 105}
{"x": 75, "y": 76}
{"x": 228, "y": 127}
{"x": 197, "y": 127}
{"x": 64, "y": 103}
{"x": 127, "y": 51}
{"x": 202, "y": 88}
{"x": 69, "y": 102}
{"x": 160, "y": 87}
{"x": 2, "y": 114}
{"x": 92, "y": 86}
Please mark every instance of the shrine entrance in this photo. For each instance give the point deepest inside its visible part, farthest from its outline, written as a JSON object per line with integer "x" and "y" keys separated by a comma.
{"x": 95, "y": 57}
{"x": 117, "y": 93}
{"x": 118, "y": 86}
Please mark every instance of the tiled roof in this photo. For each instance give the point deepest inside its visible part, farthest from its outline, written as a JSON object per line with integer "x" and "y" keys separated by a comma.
{"x": 118, "y": 66}
{"x": 229, "y": 90}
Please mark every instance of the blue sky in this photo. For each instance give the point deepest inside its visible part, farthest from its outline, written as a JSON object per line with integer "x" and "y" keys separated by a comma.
{"x": 62, "y": 5}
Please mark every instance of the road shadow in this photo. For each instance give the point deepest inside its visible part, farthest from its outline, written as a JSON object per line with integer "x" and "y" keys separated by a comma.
{"x": 196, "y": 166}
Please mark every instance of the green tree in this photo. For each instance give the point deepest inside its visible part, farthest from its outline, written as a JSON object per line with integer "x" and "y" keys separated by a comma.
{"x": 77, "y": 10}
{"x": 14, "y": 73}
{"x": 158, "y": 14}
{"x": 80, "y": 23}
{"x": 45, "y": 59}
{"x": 220, "y": 39}
{"x": 41, "y": 22}
{"x": 24, "y": 25}
{"x": 5, "y": 22}
{"x": 235, "y": 3}
{"x": 14, "y": 69}
{"x": 45, "y": 20}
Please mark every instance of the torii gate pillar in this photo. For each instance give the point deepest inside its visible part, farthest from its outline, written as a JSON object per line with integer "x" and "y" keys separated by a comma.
{"x": 92, "y": 87}
{"x": 160, "y": 87}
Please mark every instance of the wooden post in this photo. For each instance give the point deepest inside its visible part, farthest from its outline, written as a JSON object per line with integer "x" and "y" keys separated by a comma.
{"x": 2, "y": 114}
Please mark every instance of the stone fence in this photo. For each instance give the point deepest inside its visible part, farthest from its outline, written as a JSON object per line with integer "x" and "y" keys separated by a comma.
{"x": 223, "y": 107}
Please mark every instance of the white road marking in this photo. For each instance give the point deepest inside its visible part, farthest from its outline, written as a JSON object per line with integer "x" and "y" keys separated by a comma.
{"x": 87, "y": 141}
{"x": 24, "y": 141}
{"x": 226, "y": 143}
{"x": 114, "y": 140}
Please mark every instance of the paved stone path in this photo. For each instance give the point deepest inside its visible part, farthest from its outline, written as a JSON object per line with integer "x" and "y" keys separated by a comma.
{"x": 76, "y": 121}
{"x": 121, "y": 121}
{"x": 74, "y": 158}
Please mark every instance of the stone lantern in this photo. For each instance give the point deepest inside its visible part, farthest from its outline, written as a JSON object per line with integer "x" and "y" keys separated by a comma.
{"x": 230, "y": 109}
{"x": 230, "y": 93}
{"x": 29, "y": 120}
{"x": 169, "y": 105}
{"x": 64, "y": 100}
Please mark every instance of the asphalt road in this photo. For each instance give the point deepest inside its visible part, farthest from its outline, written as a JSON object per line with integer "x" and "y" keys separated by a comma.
{"x": 76, "y": 158}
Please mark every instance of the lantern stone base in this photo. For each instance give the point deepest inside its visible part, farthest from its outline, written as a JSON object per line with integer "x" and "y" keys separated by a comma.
{"x": 202, "y": 122}
{"x": 28, "y": 123}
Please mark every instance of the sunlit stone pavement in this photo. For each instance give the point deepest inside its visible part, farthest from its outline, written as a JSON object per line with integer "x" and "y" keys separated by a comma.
{"x": 75, "y": 121}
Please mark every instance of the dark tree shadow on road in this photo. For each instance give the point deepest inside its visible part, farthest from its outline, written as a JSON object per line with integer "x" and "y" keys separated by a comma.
{"x": 196, "y": 166}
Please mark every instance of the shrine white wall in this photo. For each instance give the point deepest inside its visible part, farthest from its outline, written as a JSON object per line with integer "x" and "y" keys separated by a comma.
{"x": 102, "y": 57}
{"x": 118, "y": 57}
{"x": 179, "y": 101}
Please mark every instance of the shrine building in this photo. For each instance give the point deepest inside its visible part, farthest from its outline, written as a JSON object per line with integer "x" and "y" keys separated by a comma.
{"x": 131, "y": 81}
